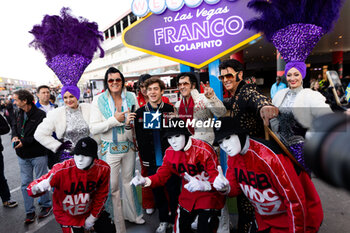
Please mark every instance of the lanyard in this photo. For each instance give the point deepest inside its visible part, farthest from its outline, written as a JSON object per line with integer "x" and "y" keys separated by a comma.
{"x": 25, "y": 118}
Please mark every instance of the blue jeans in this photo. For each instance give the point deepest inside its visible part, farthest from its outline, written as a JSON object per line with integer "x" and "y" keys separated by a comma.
{"x": 39, "y": 165}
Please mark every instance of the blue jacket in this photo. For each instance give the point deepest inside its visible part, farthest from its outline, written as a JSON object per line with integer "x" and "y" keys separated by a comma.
{"x": 38, "y": 105}
{"x": 275, "y": 88}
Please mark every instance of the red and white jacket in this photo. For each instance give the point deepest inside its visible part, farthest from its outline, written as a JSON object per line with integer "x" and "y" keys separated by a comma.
{"x": 199, "y": 160}
{"x": 283, "y": 200}
{"x": 77, "y": 193}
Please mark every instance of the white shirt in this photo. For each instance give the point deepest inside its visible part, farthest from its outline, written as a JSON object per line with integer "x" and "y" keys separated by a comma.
{"x": 47, "y": 108}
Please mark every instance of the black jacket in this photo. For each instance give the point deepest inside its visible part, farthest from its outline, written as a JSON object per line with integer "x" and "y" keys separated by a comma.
{"x": 144, "y": 137}
{"x": 4, "y": 129}
{"x": 31, "y": 148}
{"x": 245, "y": 105}
{"x": 11, "y": 114}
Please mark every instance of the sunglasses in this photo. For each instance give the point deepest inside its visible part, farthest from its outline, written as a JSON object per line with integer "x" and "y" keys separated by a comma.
{"x": 227, "y": 76}
{"x": 112, "y": 80}
{"x": 185, "y": 84}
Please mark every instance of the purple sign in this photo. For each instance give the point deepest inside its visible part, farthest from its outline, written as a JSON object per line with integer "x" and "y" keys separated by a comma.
{"x": 193, "y": 36}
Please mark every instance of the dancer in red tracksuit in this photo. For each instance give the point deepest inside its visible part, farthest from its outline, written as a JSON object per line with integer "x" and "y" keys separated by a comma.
{"x": 80, "y": 190}
{"x": 195, "y": 161}
{"x": 285, "y": 200}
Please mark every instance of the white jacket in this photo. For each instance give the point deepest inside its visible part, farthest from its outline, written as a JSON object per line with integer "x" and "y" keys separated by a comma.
{"x": 55, "y": 121}
{"x": 100, "y": 125}
{"x": 307, "y": 106}
{"x": 204, "y": 109}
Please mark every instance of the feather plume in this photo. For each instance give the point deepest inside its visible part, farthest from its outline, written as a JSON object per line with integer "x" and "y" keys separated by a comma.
{"x": 65, "y": 34}
{"x": 278, "y": 14}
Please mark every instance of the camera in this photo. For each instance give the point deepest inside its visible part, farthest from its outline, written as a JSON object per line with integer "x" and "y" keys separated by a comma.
{"x": 133, "y": 108}
{"x": 327, "y": 149}
{"x": 15, "y": 143}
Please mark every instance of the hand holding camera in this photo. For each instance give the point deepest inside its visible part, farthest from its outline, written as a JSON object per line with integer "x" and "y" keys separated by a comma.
{"x": 131, "y": 116}
{"x": 16, "y": 143}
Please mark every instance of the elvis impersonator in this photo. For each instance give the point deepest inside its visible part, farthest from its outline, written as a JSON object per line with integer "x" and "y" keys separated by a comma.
{"x": 80, "y": 185}
{"x": 284, "y": 198}
{"x": 195, "y": 161}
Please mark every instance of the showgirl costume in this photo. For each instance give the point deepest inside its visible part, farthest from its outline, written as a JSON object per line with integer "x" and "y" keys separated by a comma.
{"x": 295, "y": 27}
{"x": 68, "y": 44}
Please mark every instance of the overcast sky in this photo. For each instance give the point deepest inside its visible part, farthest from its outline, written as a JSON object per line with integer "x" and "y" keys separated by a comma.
{"x": 17, "y": 17}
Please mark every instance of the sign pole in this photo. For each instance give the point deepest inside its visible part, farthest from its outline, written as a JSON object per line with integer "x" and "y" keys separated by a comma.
{"x": 216, "y": 84}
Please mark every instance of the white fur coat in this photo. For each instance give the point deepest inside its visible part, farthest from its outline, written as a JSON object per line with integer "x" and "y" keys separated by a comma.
{"x": 307, "y": 106}
{"x": 55, "y": 121}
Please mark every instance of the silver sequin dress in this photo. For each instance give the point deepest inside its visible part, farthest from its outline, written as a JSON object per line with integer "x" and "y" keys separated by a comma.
{"x": 77, "y": 127}
{"x": 290, "y": 131}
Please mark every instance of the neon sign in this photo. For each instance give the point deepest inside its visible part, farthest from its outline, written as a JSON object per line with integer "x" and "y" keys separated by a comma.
{"x": 193, "y": 36}
{"x": 142, "y": 7}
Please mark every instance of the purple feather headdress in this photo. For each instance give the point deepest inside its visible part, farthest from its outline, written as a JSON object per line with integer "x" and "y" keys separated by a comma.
{"x": 68, "y": 44}
{"x": 294, "y": 26}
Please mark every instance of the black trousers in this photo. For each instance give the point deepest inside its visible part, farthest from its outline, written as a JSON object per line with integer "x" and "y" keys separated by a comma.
{"x": 208, "y": 220}
{"x": 166, "y": 197}
{"x": 265, "y": 231}
{"x": 4, "y": 188}
{"x": 67, "y": 229}
{"x": 102, "y": 225}
{"x": 246, "y": 214}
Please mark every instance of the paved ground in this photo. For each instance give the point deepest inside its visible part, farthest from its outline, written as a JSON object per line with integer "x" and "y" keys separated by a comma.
{"x": 336, "y": 205}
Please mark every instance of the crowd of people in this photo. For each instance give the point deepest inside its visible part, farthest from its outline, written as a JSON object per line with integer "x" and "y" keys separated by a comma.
{"x": 194, "y": 154}
{"x": 181, "y": 176}
{"x": 180, "y": 166}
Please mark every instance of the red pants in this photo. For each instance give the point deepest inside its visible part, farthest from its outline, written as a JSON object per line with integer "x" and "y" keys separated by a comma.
{"x": 147, "y": 194}
{"x": 314, "y": 216}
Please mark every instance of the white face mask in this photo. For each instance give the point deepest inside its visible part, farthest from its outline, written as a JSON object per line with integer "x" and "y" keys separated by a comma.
{"x": 82, "y": 161}
{"x": 177, "y": 142}
{"x": 231, "y": 145}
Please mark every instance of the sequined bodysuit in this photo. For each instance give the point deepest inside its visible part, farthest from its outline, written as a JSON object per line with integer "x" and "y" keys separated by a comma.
{"x": 76, "y": 129}
{"x": 291, "y": 133}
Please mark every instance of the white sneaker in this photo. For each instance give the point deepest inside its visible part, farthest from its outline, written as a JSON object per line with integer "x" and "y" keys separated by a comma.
{"x": 149, "y": 211}
{"x": 140, "y": 220}
{"x": 194, "y": 225}
{"x": 162, "y": 227}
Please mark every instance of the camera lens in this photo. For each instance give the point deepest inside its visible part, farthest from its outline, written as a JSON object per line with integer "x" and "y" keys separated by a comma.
{"x": 327, "y": 149}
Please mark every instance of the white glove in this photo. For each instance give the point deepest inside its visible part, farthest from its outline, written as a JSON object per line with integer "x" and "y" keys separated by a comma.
{"x": 194, "y": 184}
{"x": 221, "y": 183}
{"x": 89, "y": 222}
{"x": 43, "y": 186}
{"x": 140, "y": 180}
